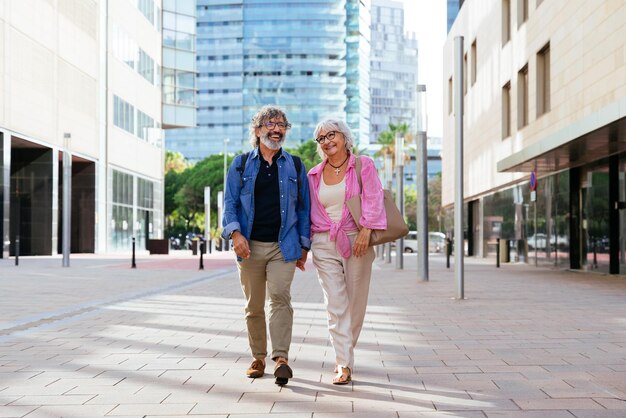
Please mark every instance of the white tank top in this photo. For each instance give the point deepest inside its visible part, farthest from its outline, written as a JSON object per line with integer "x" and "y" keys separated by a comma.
{"x": 332, "y": 198}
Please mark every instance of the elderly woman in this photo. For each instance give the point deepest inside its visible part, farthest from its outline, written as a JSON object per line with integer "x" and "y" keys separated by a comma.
{"x": 341, "y": 253}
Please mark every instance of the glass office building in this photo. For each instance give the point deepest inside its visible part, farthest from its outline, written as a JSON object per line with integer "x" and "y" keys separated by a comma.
{"x": 311, "y": 59}
{"x": 393, "y": 69}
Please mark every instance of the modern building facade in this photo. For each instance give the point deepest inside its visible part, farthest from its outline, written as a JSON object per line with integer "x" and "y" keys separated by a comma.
{"x": 80, "y": 78}
{"x": 544, "y": 130}
{"x": 310, "y": 58}
{"x": 179, "y": 64}
{"x": 393, "y": 69}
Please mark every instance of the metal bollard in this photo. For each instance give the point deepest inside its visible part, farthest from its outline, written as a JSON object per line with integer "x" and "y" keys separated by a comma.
{"x": 17, "y": 250}
{"x": 201, "y": 253}
{"x": 133, "y": 264}
{"x": 448, "y": 251}
{"x": 498, "y": 252}
{"x": 595, "y": 253}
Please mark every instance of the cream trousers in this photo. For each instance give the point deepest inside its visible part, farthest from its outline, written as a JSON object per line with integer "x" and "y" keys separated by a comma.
{"x": 345, "y": 283}
{"x": 266, "y": 269}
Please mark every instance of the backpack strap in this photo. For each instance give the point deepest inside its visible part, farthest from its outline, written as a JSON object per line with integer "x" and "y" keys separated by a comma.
{"x": 298, "y": 163}
{"x": 242, "y": 166}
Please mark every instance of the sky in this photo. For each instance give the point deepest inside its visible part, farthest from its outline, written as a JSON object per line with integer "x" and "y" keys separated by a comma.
{"x": 427, "y": 18}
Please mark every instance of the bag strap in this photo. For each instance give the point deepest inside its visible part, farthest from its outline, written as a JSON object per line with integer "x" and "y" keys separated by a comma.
{"x": 298, "y": 163}
{"x": 357, "y": 166}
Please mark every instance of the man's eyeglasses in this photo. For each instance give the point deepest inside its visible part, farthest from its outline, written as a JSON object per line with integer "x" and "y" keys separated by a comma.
{"x": 280, "y": 125}
{"x": 328, "y": 137}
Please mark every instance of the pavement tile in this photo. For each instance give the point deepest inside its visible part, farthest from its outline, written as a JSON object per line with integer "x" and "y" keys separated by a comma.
{"x": 53, "y": 400}
{"x": 612, "y": 403}
{"x": 597, "y": 414}
{"x": 233, "y": 408}
{"x": 356, "y": 414}
{"x": 441, "y": 414}
{"x": 73, "y": 411}
{"x": 13, "y": 411}
{"x": 562, "y": 403}
{"x": 528, "y": 414}
{"x": 151, "y": 409}
{"x": 315, "y": 407}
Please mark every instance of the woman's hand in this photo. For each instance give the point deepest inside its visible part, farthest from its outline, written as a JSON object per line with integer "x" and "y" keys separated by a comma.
{"x": 362, "y": 242}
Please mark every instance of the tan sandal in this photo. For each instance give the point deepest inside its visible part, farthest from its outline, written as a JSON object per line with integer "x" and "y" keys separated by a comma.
{"x": 344, "y": 377}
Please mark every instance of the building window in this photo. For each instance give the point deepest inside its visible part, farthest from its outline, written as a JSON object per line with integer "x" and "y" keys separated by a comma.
{"x": 145, "y": 66}
{"x": 506, "y": 21}
{"x": 146, "y": 7}
{"x": 543, "y": 80}
{"x": 465, "y": 73}
{"x": 450, "y": 96}
{"x": 522, "y": 97}
{"x": 123, "y": 115}
{"x": 474, "y": 62}
{"x": 143, "y": 122}
{"x": 522, "y": 12}
{"x": 506, "y": 110}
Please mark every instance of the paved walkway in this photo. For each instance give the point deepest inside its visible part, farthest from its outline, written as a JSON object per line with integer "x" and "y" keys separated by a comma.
{"x": 165, "y": 339}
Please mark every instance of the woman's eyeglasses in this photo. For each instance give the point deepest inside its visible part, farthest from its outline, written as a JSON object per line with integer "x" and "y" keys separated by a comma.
{"x": 328, "y": 137}
{"x": 280, "y": 125}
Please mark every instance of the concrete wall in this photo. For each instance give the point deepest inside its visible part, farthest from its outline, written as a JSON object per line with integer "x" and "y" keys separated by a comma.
{"x": 588, "y": 76}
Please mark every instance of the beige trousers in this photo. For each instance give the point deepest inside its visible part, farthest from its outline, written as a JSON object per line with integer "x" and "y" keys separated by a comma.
{"x": 266, "y": 269}
{"x": 345, "y": 283}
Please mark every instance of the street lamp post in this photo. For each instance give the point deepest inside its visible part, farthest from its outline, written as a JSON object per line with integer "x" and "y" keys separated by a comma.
{"x": 400, "y": 195}
{"x": 226, "y": 141}
{"x": 422, "y": 188}
{"x": 67, "y": 199}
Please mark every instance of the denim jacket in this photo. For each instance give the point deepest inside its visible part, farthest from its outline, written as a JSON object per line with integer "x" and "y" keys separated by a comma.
{"x": 295, "y": 225}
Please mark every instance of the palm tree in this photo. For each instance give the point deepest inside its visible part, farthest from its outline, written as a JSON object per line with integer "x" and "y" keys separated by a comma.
{"x": 387, "y": 140}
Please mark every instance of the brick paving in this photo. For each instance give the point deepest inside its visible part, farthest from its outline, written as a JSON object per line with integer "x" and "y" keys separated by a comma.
{"x": 101, "y": 339}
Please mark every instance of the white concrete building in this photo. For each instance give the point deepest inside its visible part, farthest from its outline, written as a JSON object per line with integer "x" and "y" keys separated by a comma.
{"x": 80, "y": 77}
{"x": 544, "y": 96}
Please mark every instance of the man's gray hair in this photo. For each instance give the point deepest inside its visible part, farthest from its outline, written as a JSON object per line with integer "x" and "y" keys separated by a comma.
{"x": 338, "y": 125}
{"x": 266, "y": 113}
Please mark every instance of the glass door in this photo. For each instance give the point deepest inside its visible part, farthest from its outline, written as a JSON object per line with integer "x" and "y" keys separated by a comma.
{"x": 622, "y": 214}
{"x": 595, "y": 218}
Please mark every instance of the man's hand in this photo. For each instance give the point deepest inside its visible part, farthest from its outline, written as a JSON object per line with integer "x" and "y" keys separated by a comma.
{"x": 302, "y": 260}
{"x": 361, "y": 242}
{"x": 240, "y": 245}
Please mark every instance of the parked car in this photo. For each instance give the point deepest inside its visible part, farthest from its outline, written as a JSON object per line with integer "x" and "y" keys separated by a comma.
{"x": 540, "y": 240}
{"x": 436, "y": 242}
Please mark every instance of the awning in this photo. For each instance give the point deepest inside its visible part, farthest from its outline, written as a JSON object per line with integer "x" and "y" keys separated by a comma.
{"x": 593, "y": 138}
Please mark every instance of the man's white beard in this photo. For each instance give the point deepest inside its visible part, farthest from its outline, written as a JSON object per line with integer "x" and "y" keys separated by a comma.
{"x": 273, "y": 145}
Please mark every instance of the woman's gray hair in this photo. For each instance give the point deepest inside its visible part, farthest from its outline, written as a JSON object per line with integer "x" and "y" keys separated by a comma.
{"x": 338, "y": 125}
{"x": 266, "y": 113}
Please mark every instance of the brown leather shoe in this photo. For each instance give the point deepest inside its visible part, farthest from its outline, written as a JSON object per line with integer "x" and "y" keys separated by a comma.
{"x": 282, "y": 371}
{"x": 256, "y": 369}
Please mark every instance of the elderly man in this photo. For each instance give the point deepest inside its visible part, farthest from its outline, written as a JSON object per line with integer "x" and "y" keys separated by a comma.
{"x": 266, "y": 214}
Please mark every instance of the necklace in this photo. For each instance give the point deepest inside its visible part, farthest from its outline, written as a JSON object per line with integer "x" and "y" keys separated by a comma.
{"x": 338, "y": 167}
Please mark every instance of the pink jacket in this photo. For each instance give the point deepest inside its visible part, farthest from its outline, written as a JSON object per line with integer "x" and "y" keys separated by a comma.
{"x": 373, "y": 214}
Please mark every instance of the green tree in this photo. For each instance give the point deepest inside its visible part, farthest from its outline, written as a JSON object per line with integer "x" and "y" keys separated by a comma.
{"x": 307, "y": 151}
{"x": 410, "y": 207}
{"x": 175, "y": 161}
{"x": 435, "y": 211}
{"x": 387, "y": 140}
